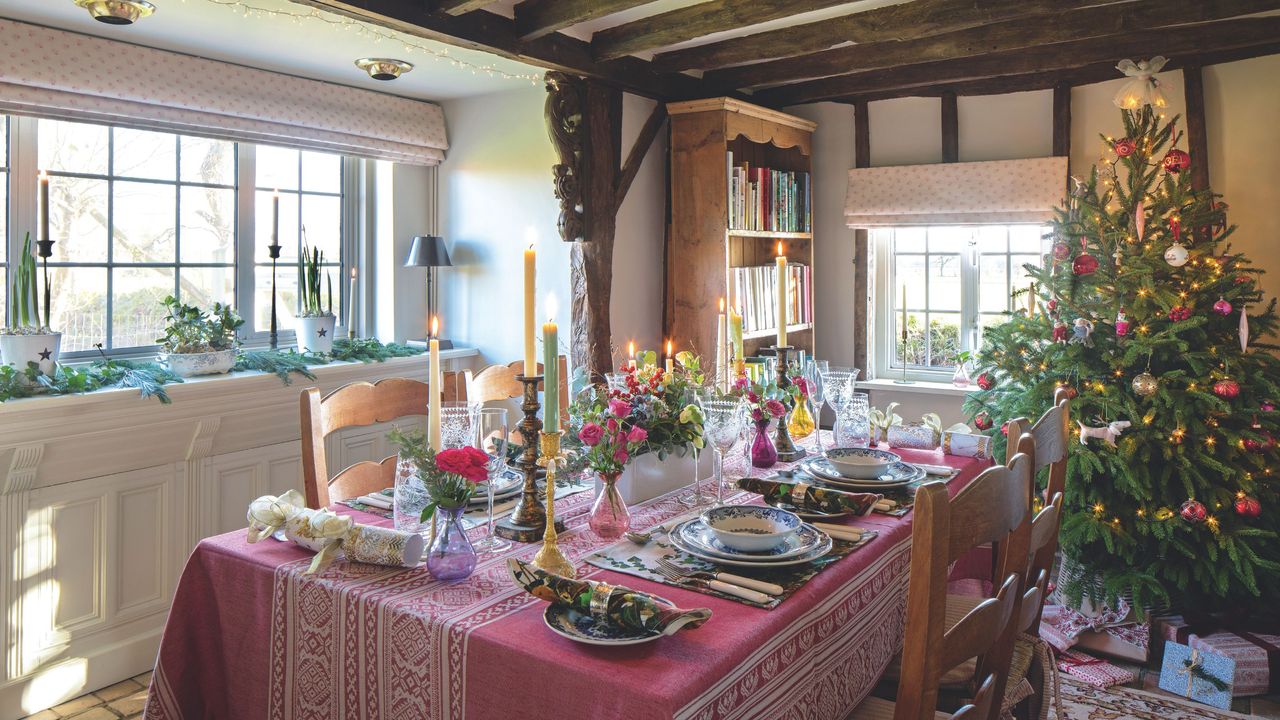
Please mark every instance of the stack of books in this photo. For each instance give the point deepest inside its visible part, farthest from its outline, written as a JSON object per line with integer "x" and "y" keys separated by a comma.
{"x": 755, "y": 291}
{"x": 767, "y": 200}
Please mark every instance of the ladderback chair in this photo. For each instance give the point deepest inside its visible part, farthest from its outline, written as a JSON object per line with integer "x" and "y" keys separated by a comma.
{"x": 499, "y": 382}
{"x": 354, "y": 405}
{"x": 1051, "y": 433}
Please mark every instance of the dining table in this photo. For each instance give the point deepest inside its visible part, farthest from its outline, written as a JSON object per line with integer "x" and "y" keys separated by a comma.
{"x": 251, "y": 635}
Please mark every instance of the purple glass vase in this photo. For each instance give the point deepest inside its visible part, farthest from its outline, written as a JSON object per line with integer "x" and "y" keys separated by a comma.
{"x": 763, "y": 452}
{"x": 451, "y": 557}
{"x": 609, "y": 517}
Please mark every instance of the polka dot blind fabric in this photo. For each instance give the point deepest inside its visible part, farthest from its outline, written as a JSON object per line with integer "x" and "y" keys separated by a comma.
{"x": 68, "y": 76}
{"x": 975, "y": 193}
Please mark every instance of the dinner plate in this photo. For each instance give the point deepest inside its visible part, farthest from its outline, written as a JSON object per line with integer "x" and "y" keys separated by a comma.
{"x": 680, "y": 544}
{"x": 900, "y": 474}
{"x": 806, "y": 514}
{"x": 508, "y": 484}
{"x": 804, "y": 540}
{"x": 581, "y": 627}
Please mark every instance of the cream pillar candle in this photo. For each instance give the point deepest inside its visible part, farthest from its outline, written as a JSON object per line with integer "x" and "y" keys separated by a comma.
{"x": 631, "y": 355}
{"x": 550, "y": 371}
{"x": 735, "y": 334}
{"x": 530, "y": 302}
{"x": 44, "y": 208}
{"x": 722, "y": 372}
{"x": 434, "y": 382}
{"x": 782, "y": 297}
{"x": 351, "y": 303}
{"x": 671, "y": 363}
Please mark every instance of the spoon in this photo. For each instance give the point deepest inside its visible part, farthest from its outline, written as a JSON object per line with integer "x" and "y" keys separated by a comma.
{"x": 643, "y": 538}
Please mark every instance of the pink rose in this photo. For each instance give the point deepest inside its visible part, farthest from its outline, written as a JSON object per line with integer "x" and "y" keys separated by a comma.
{"x": 637, "y": 435}
{"x": 775, "y": 408}
{"x": 612, "y": 425}
{"x": 467, "y": 462}
{"x": 802, "y": 385}
{"x": 590, "y": 434}
{"x": 619, "y": 408}
{"x": 756, "y": 414}
{"x": 753, "y": 398}
{"x": 740, "y": 384}
{"x": 620, "y": 455}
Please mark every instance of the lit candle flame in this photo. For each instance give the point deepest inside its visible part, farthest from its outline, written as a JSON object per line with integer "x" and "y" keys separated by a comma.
{"x": 668, "y": 348}
{"x": 631, "y": 348}
{"x": 721, "y": 304}
{"x": 779, "y": 248}
{"x": 44, "y": 176}
{"x": 530, "y": 235}
{"x": 435, "y": 326}
{"x": 353, "y": 273}
{"x": 551, "y": 307}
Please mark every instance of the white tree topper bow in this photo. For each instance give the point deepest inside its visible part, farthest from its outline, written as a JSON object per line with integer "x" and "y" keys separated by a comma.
{"x": 1142, "y": 88}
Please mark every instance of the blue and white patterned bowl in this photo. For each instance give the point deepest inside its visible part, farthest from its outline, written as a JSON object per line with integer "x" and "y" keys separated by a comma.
{"x": 861, "y": 463}
{"x": 750, "y": 528}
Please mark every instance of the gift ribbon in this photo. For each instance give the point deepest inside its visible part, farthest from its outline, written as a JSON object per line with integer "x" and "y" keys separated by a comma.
{"x": 1193, "y": 667}
{"x": 1203, "y": 626}
{"x": 268, "y": 513}
{"x": 882, "y": 419}
{"x": 798, "y": 494}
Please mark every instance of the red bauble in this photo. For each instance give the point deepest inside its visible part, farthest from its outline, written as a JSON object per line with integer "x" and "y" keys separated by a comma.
{"x": 1222, "y": 307}
{"x": 1176, "y": 161}
{"x": 1060, "y": 251}
{"x": 1194, "y": 511}
{"x": 1249, "y": 507}
{"x": 1179, "y": 312}
{"x": 1267, "y": 406}
{"x": 1084, "y": 264}
{"x": 1252, "y": 445}
{"x": 986, "y": 382}
{"x": 1004, "y": 429}
{"x": 1053, "y": 305}
{"x": 1226, "y": 388}
{"x": 1124, "y": 147}
{"x": 982, "y": 421}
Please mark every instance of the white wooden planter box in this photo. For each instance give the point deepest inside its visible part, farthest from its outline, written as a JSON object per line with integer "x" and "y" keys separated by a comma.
{"x": 647, "y": 477}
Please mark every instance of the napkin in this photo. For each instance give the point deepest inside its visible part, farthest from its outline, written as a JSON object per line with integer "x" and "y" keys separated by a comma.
{"x": 623, "y": 606}
{"x": 807, "y": 497}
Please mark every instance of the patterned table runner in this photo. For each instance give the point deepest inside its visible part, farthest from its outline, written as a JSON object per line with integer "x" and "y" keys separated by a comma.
{"x": 478, "y": 514}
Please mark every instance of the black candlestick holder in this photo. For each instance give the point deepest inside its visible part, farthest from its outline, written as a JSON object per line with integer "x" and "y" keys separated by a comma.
{"x": 528, "y": 521}
{"x": 44, "y": 248}
{"x": 787, "y": 450}
{"x": 274, "y": 250}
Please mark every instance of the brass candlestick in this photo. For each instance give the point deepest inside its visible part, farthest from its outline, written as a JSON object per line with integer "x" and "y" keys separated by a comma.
{"x": 527, "y": 522}
{"x": 550, "y": 558}
{"x": 787, "y": 450}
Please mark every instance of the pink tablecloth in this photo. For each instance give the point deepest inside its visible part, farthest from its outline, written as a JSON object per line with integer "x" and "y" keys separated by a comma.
{"x": 250, "y": 636}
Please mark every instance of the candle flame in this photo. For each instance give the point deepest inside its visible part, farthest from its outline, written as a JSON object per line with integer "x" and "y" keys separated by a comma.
{"x": 44, "y": 176}
{"x": 668, "y": 348}
{"x": 530, "y": 235}
{"x": 721, "y": 304}
{"x": 551, "y": 306}
{"x": 779, "y": 248}
{"x": 435, "y": 326}
{"x": 353, "y": 273}
{"x": 631, "y": 348}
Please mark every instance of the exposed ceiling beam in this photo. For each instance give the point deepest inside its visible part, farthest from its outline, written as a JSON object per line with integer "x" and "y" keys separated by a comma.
{"x": 1104, "y": 52}
{"x": 906, "y": 21}
{"x": 496, "y": 34}
{"x": 695, "y": 21}
{"x": 458, "y": 7}
{"x": 536, "y": 18}
{"x": 982, "y": 40}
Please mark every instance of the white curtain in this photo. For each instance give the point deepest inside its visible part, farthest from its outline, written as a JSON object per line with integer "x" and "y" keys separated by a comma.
{"x": 65, "y": 75}
{"x": 974, "y": 193}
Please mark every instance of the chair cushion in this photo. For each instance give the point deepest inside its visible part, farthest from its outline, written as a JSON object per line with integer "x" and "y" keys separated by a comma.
{"x": 959, "y": 676}
{"x": 873, "y": 708}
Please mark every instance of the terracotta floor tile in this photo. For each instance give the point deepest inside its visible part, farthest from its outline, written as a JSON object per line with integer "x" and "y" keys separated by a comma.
{"x": 98, "y": 713}
{"x": 119, "y": 690}
{"x": 144, "y": 679}
{"x": 130, "y": 704}
{"x": 71, "y": 707}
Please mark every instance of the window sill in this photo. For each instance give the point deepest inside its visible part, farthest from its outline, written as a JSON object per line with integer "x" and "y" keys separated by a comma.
{"x": 921, "y": 387}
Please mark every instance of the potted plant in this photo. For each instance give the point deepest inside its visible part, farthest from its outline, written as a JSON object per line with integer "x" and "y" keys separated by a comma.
{"x": 199, "y": 343}
{"x": 28, "y": 338}
{"x": 315, "y": 322}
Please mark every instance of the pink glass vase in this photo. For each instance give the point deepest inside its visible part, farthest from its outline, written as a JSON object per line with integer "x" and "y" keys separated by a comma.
{"x": 609, "y": 517}
{"x": 763, "y": 452}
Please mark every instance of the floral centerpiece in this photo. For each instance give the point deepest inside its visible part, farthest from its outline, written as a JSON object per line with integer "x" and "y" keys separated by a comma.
{"x": 609, "y": 438}
{"x": 196, "y": 342}
{"x": 765, "y": 404}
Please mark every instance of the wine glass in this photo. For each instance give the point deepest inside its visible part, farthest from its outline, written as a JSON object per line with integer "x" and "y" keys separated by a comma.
{"x": 813, "y": 371}
{"x": 457, "y": 423}
{"x": 723, "y": 423}
{"x": 491, "y": 437}
{"x": 696, "y": 496}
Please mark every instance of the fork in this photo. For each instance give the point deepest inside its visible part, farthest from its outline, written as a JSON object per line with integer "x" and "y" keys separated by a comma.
{"x": 683, "y": 577}
{"x": 767, "y": 588}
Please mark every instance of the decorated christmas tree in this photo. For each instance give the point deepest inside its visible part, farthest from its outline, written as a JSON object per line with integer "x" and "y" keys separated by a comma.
{"x": 1145, "y": 315}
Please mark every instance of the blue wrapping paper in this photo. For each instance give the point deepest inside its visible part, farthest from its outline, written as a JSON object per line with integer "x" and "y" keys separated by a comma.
{"x": 1187, "y": 671}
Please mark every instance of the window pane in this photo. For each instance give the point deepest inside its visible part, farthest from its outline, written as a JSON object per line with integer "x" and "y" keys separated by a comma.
{"x": 277, "y": 168}
{"x": 208, "y": 161}
{"x": 137, "y": 317}
{"x": 205, "y": 286}
{"x": 993, "y": 283}
{"x": 1025, "y": 238}
{"x": 78, "y": 219}
{"x": 944, "y": 282}
{"x": 208, "y": 225}
{"x": 993, "y": 239}
{"x": 321, "y": 172}
{"x": 909, "y": 239}
{"x": 286, "y": 298}
{"x": 288, "y": 227}
{"x": 73, "y": 147}
{"x": 143, "y": 154}
{"x": 910, "y": 269}
{"x": 143, "y": 218}
{"x": 4, "y": 296}
{"x": 944, "y": 339}
{"x": 80, "y": 306}
{"x": 322, "y": 222}
{"x": 916, "y": 353}
{"x": 1021, "y": 278}
{"x": 948, "y": 239}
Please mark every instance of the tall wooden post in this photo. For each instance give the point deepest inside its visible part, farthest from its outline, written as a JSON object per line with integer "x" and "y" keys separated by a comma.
{"x": 950, "y": 128}
{"x": 861, "y": 242}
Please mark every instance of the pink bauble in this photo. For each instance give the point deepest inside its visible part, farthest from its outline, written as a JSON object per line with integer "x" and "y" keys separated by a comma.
{"x": 1194, "y": 511}
{"x": 1222, "y": 307}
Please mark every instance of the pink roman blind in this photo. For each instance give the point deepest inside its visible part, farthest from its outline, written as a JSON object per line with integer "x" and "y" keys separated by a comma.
{"x": 973, "y": 193}
{"x": 69, "y": 76}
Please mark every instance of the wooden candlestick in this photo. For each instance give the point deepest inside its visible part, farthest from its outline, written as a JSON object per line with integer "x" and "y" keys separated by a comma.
{"x": 527, "y": 522}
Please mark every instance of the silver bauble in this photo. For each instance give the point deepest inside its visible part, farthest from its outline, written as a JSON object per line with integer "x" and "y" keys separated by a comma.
{"x": 1145, "y": 384}
{"x": 1176, "y": 255}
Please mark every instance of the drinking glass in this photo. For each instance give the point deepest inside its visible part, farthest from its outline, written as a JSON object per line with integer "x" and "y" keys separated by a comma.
{"x": 724, "y": 421}
{"x": 853, "y": 422}
{"x": 813, "y": 372}
{"x": 839, "y": 385}
{"x": 457, "y": 423}
{"x": 408, "y": 499}
{"x": 696, "y": 495}
{"x": 491, "y": 437}
{"x": 617, "y": 381}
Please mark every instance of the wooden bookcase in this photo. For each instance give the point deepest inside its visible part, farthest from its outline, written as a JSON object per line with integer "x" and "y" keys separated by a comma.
{"x": 701, "y": 247}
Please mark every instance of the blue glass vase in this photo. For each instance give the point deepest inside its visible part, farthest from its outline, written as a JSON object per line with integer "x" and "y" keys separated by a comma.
{"x": 451, "y": 556}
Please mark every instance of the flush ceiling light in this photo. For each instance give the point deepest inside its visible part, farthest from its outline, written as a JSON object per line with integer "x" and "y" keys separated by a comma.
{"x": 117, "y": 12}
{"x": 383, "y": 68}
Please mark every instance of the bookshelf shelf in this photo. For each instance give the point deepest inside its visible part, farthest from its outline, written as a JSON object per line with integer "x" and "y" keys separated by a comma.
{"x": 732, "y": 159}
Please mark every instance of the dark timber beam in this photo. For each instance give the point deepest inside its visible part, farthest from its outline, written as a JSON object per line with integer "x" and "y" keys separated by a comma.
{"x": 1062, "y": 120}
{"x": 636, "y": 157}
{"x": 536, "y": 18}
{"x": 905, "y": 21}
{"x": 1110, "y": 20}
{"x": 500, "y": 36}
{"x": 950, "y": 128}
{"x": 861, "y": 243}
{"x": 1197, "y": 137}
{"x": 695, "y": 21}
{"x": 1183, "y": 41}
{"x": 458, "y": 7}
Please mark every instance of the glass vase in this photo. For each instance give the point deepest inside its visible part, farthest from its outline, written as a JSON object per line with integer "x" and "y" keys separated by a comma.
{"x": 609, "y": 517}
{"x": 801, "y": 424}
{"x": 451, "y": 557}
{"x": 763, "y": 452}
{"x": 961, "y": 376}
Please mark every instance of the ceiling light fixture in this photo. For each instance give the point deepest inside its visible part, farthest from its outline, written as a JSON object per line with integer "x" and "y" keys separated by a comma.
{"x": 117, "y": 12}
{"x": 384, "y": 68}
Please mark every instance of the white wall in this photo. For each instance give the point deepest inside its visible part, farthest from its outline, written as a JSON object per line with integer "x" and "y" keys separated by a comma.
{"x": 495, "y": 183}
{"x": 403, "y": 199}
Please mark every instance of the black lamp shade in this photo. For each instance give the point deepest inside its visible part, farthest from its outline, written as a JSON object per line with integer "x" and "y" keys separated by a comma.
{"x": 428, "y": 251}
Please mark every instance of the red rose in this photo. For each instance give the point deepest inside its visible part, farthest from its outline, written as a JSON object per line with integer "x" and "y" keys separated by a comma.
{"x": 590, "y": 434}
{"x": 466, "y": 462}
{"x": 775, "y": 408}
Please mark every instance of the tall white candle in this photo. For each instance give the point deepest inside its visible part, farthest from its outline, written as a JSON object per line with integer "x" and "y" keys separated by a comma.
{"x": 631, "y": 355}
{"x": 44, "y": 205}
{"x": 434, "y": 382}
{"x": 671, "y": 362}
{"x": 351, "y": 303}
{"x": 722, "y": 371}
{"x": 530, "y": 304}
{"x": 550, "y": 371}
{"x": 782, "y": 297}
{"x": 904, "y": 324}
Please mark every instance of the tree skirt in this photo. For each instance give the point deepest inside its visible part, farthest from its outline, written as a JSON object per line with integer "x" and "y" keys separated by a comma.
{"x": 1084, "y": 702}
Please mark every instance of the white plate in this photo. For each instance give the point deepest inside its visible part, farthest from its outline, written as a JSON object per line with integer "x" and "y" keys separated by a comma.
{"x": 581, "y": 627}
{"x": 805, "y": 539}
{"x": 902, "y": 474}
{"x": 680, "y": 544}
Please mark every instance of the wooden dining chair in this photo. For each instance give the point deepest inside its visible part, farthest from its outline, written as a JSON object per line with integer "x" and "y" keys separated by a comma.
{"x": 354, "y": 405}
{"x": 991, "y": 508}
{"x": 499, "y": 382}
{"x": 1051, "y": 433}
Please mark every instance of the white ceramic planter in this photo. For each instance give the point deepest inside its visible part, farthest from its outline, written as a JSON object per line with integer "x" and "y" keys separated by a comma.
{"x": 315, "y": 334}
{"x": 647, "y": 477}
{"x": 207, "y": 363}
{"x": 18, "y": 350}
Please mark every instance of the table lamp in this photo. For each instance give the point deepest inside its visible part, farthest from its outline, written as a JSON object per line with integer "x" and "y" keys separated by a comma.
{"x": 428, "y": 251}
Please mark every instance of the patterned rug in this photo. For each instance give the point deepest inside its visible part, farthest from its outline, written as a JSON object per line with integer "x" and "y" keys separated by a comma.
{"x": 1084, "y": 702}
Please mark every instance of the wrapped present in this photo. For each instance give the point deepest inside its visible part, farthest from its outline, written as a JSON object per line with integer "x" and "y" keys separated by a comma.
{"x": 924, "y": 435}
{"x": 326, "y": 533}
{"x": 807, "y": 497}
{"x": 1093, "y": 671}
{"x": 881, "y": 420}
{"x": 1201, "y": 675}
{"x": 624, "y": 606}
{"x": 966, "y": 444}
{"x": 1131, "y": 641}
{"x": 1256, "y": 658}
{"x": 1173, "y": 628}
